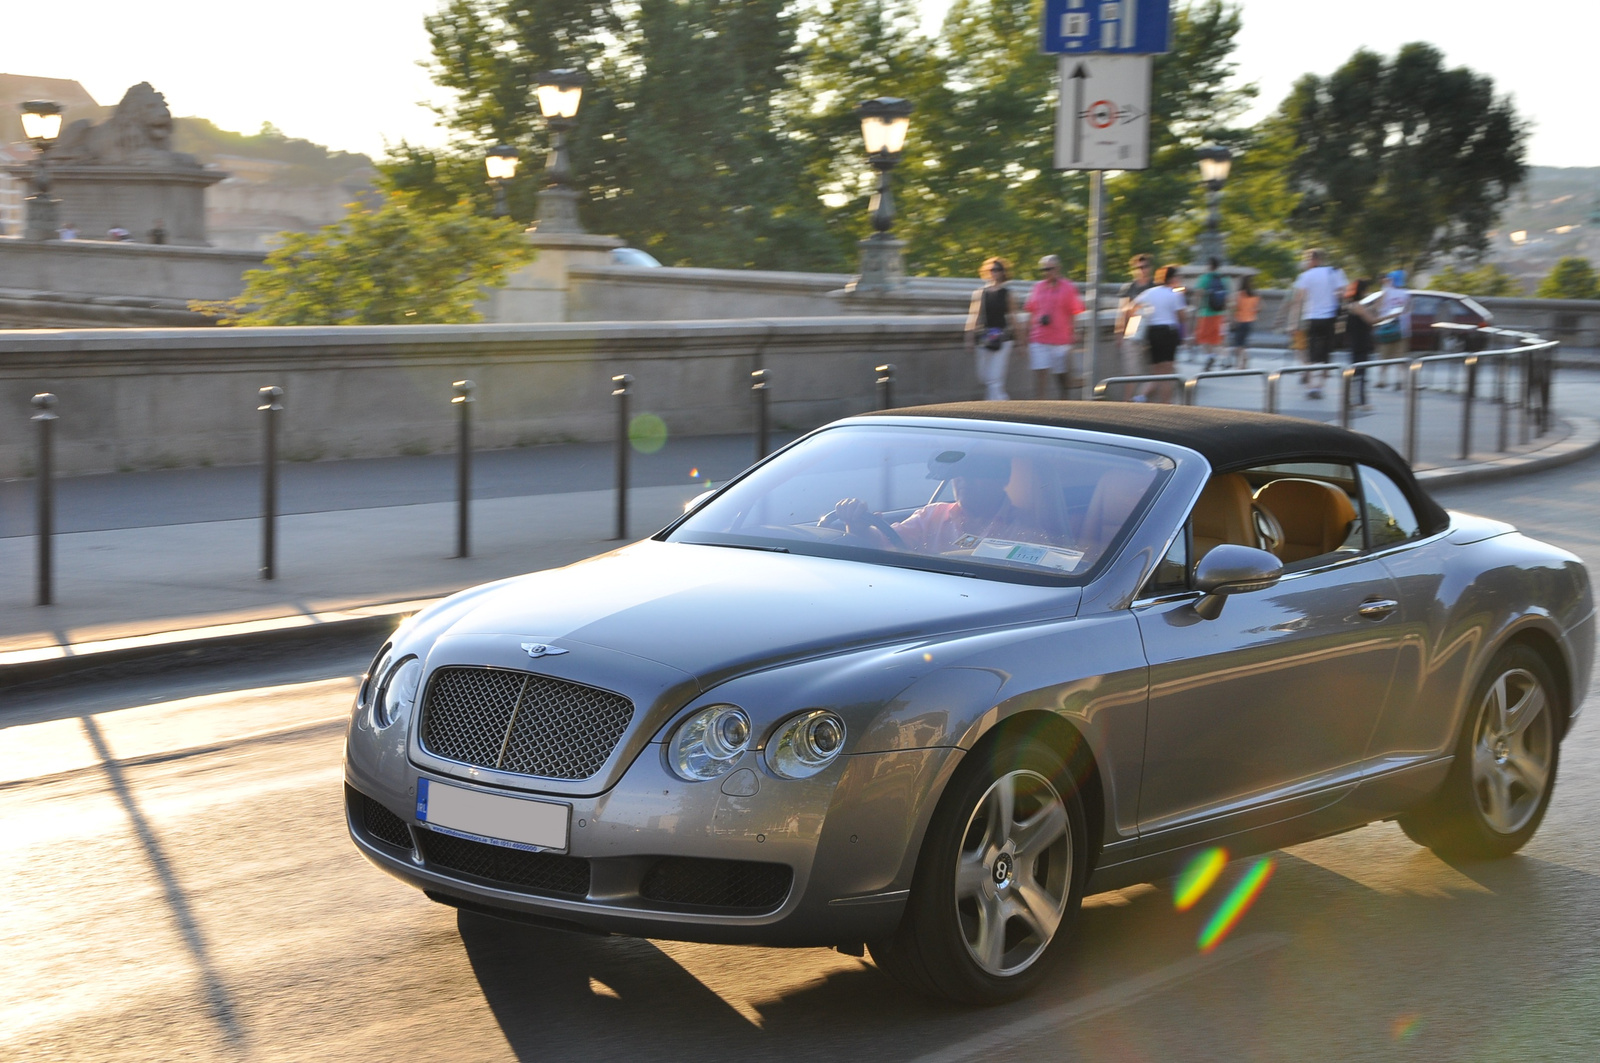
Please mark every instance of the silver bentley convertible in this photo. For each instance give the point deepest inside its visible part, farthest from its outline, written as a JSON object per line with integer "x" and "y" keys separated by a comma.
{"x": 921, "y": 680}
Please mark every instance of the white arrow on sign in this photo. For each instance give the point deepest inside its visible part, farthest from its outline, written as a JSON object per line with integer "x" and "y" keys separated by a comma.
{"x": 1103, "y": 114}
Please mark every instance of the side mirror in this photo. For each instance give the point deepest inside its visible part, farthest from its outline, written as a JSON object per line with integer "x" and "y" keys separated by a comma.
{"x": 1229, "y": 569}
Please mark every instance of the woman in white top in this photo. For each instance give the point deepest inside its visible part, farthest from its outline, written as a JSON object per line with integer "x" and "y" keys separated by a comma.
{"x": 1165, "y": 311}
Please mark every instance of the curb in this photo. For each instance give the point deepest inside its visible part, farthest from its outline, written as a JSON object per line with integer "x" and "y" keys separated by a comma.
{"x": 147, "y": 653}
{"x": 1582, "y": 440}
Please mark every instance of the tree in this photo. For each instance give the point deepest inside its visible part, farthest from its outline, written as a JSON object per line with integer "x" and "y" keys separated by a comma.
{"x": 389, "y": 264}
{"x": 1572, "y": 278}
{"x": 1400, "y": 161}
{"x": 1487, "y": 279}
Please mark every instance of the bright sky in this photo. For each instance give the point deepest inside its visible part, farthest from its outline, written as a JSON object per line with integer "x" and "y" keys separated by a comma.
{"x": 344, "y": 73}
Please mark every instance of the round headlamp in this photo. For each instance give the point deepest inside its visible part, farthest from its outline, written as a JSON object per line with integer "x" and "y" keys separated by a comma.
{"x": 397, "y": 692}
{"x": 710, "y": 742}
{"x": 806, "y": 744}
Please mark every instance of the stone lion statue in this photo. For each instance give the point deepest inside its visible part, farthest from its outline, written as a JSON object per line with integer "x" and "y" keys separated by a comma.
{"x": 138, "y": 133}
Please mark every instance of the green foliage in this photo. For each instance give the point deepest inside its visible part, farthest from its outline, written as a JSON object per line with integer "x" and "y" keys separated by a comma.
{"x": 1572, "y": 278}
{"x": 1399, "y": 161}
{"x": 389, "y": 264}
{"x": 1487, "y": 279}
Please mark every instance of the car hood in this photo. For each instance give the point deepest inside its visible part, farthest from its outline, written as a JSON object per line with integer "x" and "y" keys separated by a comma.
{"x": 715, "y": 612}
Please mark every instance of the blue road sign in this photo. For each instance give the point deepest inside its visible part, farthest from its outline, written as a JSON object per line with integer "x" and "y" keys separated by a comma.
{"x": 1119, "y": 27}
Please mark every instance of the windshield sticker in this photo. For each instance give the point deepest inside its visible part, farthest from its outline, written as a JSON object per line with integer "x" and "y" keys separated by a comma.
{"x": 1028, "y": 554}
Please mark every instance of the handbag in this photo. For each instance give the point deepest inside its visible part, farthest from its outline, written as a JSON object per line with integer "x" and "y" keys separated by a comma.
{"x": 1388, "y": 330}
{"x": 1137, "y": 325}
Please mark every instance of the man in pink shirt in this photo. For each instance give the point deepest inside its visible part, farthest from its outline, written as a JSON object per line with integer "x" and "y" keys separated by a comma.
{"x": 1052, "y": 307}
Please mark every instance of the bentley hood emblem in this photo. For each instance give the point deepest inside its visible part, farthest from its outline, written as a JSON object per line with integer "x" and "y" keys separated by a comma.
{"x": 540, "y": 649}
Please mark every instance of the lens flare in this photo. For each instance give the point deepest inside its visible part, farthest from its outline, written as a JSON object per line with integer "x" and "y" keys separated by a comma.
{"x": 647, "y": 433}
{"x": 1235, "y": 904}
{"x": 1198, "y": 877}
{"x": 694, "y": 473}
{"x": 1404, "y": 1027}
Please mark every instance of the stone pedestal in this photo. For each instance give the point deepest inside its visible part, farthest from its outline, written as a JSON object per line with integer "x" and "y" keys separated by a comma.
{"x": 558, "y": 212}
{"x": 883, "y": 266}
{"x": 138, "y": 198}
{"x": 41, "y": 216}
{"x": 538, "y": 291}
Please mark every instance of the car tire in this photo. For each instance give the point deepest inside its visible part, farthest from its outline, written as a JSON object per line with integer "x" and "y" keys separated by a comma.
{"x": 1499, "y": 785}
{"x": 999, "y": 880}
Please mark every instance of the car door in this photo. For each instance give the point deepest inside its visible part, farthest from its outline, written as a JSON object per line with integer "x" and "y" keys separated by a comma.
{"x": 1266, "y": 711}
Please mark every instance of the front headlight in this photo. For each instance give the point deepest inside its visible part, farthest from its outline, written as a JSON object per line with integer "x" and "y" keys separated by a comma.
{"x": 710, "y": 742}
{"x": 806, "y": 744}
{"x": 397, "y": 692}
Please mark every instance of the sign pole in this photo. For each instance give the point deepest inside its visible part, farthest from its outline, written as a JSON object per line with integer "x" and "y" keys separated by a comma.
{"x": 1096, "y": 227}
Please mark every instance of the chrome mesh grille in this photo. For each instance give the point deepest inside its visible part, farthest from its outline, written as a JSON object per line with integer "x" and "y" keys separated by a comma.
{"x": 521, "y": 722}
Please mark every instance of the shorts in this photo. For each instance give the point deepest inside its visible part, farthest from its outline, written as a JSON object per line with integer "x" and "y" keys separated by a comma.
{"x": 1162, "y": 343}
{"x": 1241, "y": 333}
{"x": 1319, "y": 339}
{"x": 1208, "y": 330}
{"x": 1051, "y": 356}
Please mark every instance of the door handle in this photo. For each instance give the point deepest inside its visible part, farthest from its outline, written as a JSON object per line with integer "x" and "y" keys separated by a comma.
{"x": 1377, "y": 608}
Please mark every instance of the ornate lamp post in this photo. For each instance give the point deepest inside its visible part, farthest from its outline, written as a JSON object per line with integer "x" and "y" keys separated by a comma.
{"x": 884, "y": 124}
{"x": 41, "y": 123}
{"x": 501, "y": 162}
{"x": 1215, "y": 162}
{"x": 560, "y": 92}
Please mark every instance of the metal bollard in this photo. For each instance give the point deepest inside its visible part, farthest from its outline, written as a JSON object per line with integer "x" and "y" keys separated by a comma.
{"x": 1413, "y": 408}
{"x": 1468, "y": 397}
{"x": 759, "y": 388}
{"x": 886, "y": 386}
{"x": 272, "y": 407}
{"x": 46, "y": 418}
{"x": 621, "y": 387}
{"x": 463, "y": 400}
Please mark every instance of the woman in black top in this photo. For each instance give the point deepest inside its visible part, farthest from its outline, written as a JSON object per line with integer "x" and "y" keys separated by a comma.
{"x": 1358, "y": 323}
{"x": 992, "y": 322}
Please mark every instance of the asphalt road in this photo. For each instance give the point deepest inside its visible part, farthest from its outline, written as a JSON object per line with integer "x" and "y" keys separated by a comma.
{"x": 177, "y": 884}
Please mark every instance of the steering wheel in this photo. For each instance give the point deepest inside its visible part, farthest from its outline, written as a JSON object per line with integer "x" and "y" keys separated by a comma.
{"x": 833, "y": 519}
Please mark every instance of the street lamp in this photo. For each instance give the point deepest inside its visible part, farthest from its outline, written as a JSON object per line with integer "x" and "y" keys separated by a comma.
{"x": 885, "y": 122}
{"x": 501, "y": 162}
{"x": 41, "y": 123}
{"x": 559, "y": 93}
{"x": 1215, "y": 163}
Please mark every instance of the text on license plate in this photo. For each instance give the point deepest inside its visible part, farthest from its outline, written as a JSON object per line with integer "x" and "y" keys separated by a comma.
{"x": 515, "y": 822}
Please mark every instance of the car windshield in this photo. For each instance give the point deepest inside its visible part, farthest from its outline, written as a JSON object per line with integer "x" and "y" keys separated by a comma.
{"x": 1000, "y": 505}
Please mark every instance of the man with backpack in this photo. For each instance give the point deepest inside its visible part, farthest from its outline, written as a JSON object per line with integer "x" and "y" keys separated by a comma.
{"x": 1211, "y": 313}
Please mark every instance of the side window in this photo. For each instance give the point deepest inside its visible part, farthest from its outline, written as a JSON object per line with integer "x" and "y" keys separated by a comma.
{"x": 1390, "y": 518}
{"x": 1172, "y": 573}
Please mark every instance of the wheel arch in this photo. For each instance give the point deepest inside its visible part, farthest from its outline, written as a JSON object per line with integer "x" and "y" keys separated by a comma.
{"x": 1543, "y": 643}
{"x": 1061, "y": 735}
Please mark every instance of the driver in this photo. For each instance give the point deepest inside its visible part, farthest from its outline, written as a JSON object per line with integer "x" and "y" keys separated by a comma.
{"x": 982, "y": 510}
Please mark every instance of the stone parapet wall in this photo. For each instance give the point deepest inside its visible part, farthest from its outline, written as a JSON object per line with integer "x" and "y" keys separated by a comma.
{"x": 152, "y": 398}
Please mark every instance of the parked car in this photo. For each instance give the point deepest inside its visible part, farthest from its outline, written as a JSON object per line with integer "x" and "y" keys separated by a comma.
{"x": 923, "y": 679}
{"x": 632, "y": 256}
{"x": 1429, "y": 308}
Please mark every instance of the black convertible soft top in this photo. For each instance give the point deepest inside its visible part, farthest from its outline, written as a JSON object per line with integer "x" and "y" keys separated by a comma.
{"x": 1228, "y": 439}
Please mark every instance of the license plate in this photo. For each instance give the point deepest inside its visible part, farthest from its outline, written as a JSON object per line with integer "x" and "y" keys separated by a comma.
{"x": 514, "y": 822}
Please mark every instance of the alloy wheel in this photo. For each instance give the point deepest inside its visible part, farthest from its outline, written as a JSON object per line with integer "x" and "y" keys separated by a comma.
{"x": 1014, "y": 872}
{"x": 1512, "y": 751}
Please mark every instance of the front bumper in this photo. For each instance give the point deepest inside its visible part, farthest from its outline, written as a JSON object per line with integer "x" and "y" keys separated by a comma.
{"x": 847, "y": 837}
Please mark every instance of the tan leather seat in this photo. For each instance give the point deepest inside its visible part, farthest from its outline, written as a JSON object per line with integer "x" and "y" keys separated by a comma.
{"x": 1316, "y": 517}
{"x": 1222, "y": 515}
{"x": 1113, "y": 500}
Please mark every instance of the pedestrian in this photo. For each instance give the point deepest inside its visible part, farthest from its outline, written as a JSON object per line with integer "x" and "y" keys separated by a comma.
{"x": 992, "y": 324}
{"x": 1393, "y": 329}
{"x": 1358, "y": 322}
{"x": 158, "y": 235}
{"x": 1165, "y": 311}
{"x": 68, "y": 231}
{"x": 1246, "y": 307}
{"x": 1053, "y": 306}
{"x": 1142, "y": 269}
{"x": 1315, "y": 302}
{"x": 1211, "y": 312}
{"x": 117, "y": 233}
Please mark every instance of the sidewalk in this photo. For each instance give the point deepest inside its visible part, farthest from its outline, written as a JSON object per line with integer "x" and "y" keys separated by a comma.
{"x": 163, "y": 562}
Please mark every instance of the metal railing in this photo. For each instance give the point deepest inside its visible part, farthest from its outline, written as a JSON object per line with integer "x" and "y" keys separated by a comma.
{"x": 1527, "y": 357}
